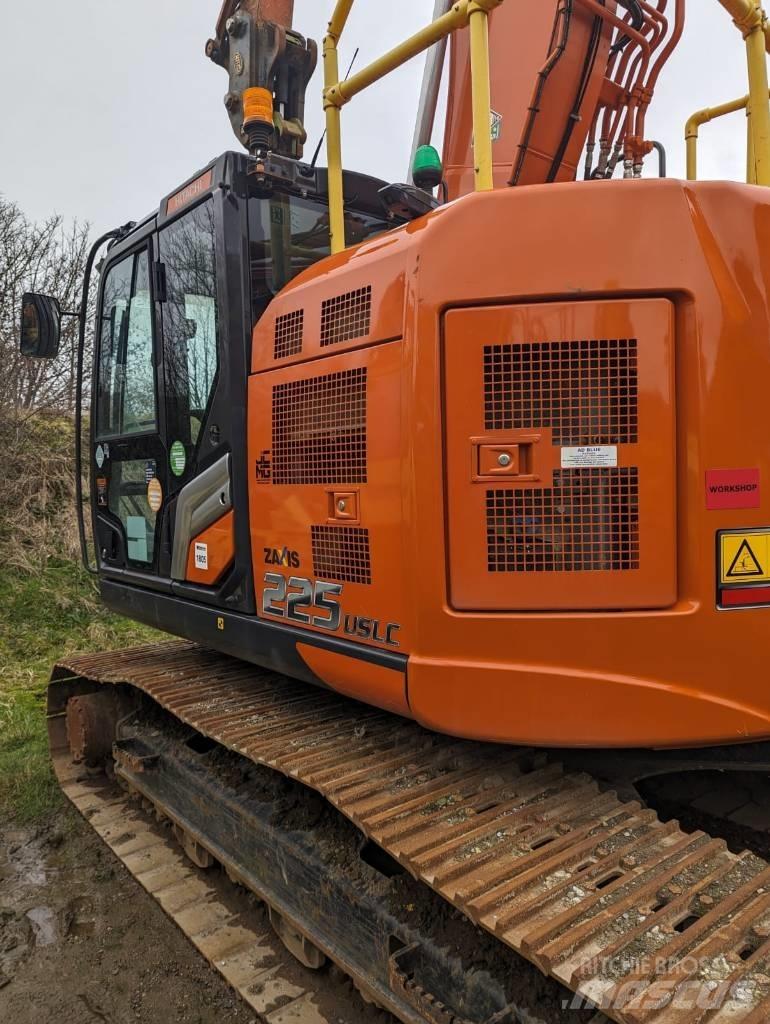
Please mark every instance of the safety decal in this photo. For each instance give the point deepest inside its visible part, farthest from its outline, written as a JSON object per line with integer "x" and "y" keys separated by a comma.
{"x": 154, "y": 494}
{"x": 99, "y": 456}
{"x": 177, "y": 458}
{"x": 149, "y": 470}
{"x": 101, "y": 491}
{"x": 732, "y": 488}
{"x": 744, "y": 557}
{"x": 495, "y": 125}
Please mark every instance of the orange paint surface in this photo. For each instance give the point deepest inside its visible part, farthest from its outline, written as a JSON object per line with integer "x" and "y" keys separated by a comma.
{"x": 599, "y": 624}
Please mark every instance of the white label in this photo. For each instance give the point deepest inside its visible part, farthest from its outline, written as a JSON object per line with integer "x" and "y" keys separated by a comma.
{"x": 496, "y": 125}
{"x": 201, "y": 556}
{"x": 589, "y": 456}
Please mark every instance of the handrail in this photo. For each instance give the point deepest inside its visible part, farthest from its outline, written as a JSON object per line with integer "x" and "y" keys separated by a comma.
{"x": 701, "y": 117}
{"x": 751, "y": 20}
{"x": 474, "y": 13}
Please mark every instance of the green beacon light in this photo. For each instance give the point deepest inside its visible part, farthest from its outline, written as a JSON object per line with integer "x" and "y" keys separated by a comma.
{"x": 427, "y": 169}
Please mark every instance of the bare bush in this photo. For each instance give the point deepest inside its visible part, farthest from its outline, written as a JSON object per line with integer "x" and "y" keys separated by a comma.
{"x": 37, "y": 485}
{"x": 49, "y": 258}
{"x": 37, "y": 397}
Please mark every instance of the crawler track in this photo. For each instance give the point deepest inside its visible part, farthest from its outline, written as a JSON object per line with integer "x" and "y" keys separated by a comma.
{"x": 249, "y": 957}
{"x": 650, "y": 923}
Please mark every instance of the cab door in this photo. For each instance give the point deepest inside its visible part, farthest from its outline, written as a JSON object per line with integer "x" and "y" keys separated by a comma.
{"x": 128, "y": 457}
{"x": 167, "y": 424}
{"x": 201, "y": 534}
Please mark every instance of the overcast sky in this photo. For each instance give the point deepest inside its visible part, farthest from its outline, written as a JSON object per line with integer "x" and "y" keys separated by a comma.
{"x": 106, "y": 106}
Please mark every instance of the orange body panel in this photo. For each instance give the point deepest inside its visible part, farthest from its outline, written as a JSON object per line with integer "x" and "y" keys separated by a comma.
{"x": 686, "y": 268}
{"x": 211, "y": 553}
{"x": 552, "y": 563}
{"x": 576, "y": 71}
{"x": 380, "y": 686}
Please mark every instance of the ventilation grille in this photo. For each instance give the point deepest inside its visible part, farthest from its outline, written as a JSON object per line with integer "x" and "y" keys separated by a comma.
{"x": 586, "y": 391}
{"x": 319, "y": 429}
{"x": 588, "y": 520}
{"x": 346, "y": 316}
{"x": 289, "y": 329}
{"x": 341, "y": 553}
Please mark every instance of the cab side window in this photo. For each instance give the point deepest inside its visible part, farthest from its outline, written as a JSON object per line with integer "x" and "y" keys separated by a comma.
{"x": 125, "y": 400}
{"x": 190, "y": 320}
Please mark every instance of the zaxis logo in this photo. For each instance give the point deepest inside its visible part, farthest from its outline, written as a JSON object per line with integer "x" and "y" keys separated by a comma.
{"x": 283, "y": 557}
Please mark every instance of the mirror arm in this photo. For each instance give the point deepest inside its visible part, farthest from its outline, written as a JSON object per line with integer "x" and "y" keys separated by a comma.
{"x": 82, "y": 315}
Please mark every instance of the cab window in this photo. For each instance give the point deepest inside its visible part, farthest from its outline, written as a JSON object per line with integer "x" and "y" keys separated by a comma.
{"x": 126, "y": 377}
{"x": 190, "y": 320}
{"x": 289, "y": 233}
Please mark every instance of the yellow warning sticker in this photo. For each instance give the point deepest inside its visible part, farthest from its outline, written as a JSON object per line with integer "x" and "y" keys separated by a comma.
{"x": 745, "y": 557}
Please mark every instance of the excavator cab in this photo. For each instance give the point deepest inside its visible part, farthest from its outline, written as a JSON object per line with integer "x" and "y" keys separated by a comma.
{"x": 178, "y": 298}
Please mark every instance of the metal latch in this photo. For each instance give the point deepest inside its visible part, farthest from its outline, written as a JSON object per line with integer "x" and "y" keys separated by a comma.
{"x": 510, "y": 459}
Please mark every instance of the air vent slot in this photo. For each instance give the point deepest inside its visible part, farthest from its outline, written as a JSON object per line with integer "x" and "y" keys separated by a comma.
{"x": 341, "y": 553}
{"x": 586, "y": 391}
{"x": 588, "y": 521}
{"x": 289, "y": 330}
{"x": 346, "y": 317}
{"x": 319, "y": 429}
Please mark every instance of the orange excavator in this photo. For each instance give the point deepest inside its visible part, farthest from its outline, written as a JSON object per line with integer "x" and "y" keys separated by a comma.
{"x": 458, "y": 494}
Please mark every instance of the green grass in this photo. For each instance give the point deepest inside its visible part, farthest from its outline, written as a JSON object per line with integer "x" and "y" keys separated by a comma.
{"x": 44, "y": 615}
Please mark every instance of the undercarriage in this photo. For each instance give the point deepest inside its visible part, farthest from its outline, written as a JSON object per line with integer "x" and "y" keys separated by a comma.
{"x": 453, "y": 882}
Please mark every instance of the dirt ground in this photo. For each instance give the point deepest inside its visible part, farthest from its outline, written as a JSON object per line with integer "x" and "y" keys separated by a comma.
{"x": 81, "y": 942}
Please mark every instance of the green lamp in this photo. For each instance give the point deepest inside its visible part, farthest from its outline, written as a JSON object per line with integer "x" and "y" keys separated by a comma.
{"x": 427, "y": 169}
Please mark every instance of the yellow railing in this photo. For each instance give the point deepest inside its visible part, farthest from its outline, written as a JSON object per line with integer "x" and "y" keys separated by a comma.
{"x": 751, "y": 20}
{"x": 474, "y": 13}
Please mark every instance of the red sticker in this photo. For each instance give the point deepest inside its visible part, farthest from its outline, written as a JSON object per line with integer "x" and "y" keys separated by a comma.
{"x": 732, "y": 488}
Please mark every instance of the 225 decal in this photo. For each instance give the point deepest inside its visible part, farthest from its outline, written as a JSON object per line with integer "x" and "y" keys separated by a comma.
{"x": 317, "y": 603}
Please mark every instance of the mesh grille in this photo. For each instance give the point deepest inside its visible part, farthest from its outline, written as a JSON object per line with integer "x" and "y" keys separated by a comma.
{"x": 346, "y": 316}
{"x": 341, "y": 553}
{"x": 319, "y": 429}
{"x": 289, "y": 329}
{"x": 588, "y": 520}
{"x": 587, "y": 391}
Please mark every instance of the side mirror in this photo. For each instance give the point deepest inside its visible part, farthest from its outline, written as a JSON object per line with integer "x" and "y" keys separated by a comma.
{"x": 40, "y": 326}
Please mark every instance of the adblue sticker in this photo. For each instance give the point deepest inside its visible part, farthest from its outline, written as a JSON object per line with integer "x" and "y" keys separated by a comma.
{"x": 597, "y": 456}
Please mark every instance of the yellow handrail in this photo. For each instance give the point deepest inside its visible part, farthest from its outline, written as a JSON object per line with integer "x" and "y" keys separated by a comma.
{"x": 700, "y": 118}
{"x": 336, "y": 93}
{"x": 751, "y": 20}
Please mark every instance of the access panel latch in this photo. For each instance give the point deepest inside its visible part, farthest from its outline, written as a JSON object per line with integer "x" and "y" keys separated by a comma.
{"x": 514, "y": 458}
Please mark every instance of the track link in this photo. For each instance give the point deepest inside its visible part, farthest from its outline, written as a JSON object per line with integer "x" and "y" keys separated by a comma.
{"x": 647, "y": 922}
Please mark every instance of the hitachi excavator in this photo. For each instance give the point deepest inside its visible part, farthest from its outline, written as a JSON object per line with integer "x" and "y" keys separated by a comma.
{"x": 456, "y": 493}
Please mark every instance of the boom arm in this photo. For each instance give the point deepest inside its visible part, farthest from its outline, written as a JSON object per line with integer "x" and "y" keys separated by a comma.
{"x": 582, "y": 71}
